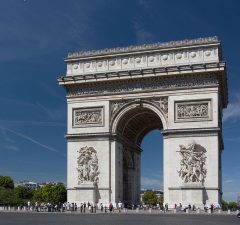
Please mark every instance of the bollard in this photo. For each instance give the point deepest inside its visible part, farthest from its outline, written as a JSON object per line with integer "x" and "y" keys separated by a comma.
{"x": 237, "y": 211}
{"x": 187, "y": 210}
{"x": 24, "y": 208}
{"x": 228, "y": 211}
{"x": 19, "y": 208}
{"x": 219, "y": 211}
{"x": 150, "y": 210}
{"x": 137, "y": 210}
{"x": 175, "y": 210}
{"x": 198, "y": 210}
{"x": 209, "y": 210}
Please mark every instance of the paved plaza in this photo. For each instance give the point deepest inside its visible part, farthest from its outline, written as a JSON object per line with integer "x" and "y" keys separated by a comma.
{"x": 9, "y": 218}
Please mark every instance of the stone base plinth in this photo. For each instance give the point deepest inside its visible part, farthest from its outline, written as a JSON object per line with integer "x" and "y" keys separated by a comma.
{"x": 187, "y": 194}
{"x": 85, "y": 192}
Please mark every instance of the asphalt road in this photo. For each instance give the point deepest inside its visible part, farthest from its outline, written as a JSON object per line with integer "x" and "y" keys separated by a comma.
{"x": 8, "y": 218}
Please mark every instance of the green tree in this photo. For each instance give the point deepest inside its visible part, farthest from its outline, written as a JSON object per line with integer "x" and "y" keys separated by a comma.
{"x": 59, "y": 194}
{"x": 6, "y": 182}
{"x": 24, "y": 192}
{"x": 150, "y": 198}
{"x": 232, "y": 205}
{"x": 9, "y": 197}
{"x": 55, "y": 194}
{"x": 161, "y": 199}
{"x": 224, "y": 205}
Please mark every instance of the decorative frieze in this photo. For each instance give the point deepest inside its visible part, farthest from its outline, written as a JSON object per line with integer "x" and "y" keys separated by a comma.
{"x": 87, "y": 165}
{"x": 161, "y": 103}
{"x": 192, "y": 110}
{"x": 192, "y": 164}
{"x": 150, "y": 84}
{"x": 83, "y": 117}
{"x": 144, "y": 60}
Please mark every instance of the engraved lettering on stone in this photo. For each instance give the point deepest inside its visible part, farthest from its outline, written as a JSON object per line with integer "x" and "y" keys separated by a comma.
{"x": 192, "y": 164}
{"x": 194, "y": 110}
{"x": 87, "y": 165}
{"x": 84, "y": 117}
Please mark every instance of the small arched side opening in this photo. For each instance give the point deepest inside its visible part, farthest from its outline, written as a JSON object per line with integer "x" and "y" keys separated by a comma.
{"x": 131, "y": 125}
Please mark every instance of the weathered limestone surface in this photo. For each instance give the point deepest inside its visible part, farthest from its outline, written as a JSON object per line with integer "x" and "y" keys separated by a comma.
{"x": 116, "y": 96}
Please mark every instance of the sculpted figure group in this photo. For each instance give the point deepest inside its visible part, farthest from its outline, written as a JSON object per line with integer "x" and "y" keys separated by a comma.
{"x": 87, "y": 117}
{"x": 87, "y": 165}
{"x": 192, "y": 164}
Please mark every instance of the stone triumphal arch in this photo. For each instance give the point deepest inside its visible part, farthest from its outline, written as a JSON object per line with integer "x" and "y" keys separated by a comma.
{"x": 116, "y": 96}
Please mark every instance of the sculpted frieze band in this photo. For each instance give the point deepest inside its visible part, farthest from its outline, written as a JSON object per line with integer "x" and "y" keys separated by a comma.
{"x": 146, "y": 85}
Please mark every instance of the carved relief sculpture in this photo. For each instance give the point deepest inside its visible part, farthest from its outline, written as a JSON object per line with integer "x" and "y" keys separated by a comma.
{"x": 82, "y": 117}
{"x": 87, "y": 162}
{"x": 192, "y": 164}
{"x": 162, "y": 103}
{"x": 192, "y": 110}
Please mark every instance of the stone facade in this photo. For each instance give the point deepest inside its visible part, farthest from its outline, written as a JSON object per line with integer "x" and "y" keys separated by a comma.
{"x": 116, "y": 96}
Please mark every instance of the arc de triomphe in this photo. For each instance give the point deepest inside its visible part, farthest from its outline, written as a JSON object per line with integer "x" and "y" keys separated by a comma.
{"x": 116, "y": 96}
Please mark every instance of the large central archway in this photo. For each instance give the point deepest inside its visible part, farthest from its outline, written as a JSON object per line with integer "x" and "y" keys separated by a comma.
{"x": 131, "y": 124}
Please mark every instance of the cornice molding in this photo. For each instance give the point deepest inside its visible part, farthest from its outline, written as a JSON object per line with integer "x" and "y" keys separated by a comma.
{"x": 158, "y": 71}
{"x": 169, "y": 133}
{"x": 154, "y": 46}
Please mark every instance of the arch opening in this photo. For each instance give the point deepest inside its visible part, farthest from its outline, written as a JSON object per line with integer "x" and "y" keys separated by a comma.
{"x": 133, "y": 126}
{"x": 138, "y": 122}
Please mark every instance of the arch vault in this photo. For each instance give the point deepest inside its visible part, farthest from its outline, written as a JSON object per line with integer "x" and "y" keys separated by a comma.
{"x": 116, "y": 96}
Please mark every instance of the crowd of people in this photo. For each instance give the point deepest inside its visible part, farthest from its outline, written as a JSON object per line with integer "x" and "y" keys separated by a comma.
{"x": 87, "y": 207}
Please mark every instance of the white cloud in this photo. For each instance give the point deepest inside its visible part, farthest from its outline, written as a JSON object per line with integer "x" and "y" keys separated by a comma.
{"x": 229, "y": 181}
{"x": 32, "y": 140}
{"x": 142, "y": 34}
{"x": 148, "y": 182}
{"x": 10, "y": 147}
{"x": 232, "y": 113}
{"x": 25, "y": 36}
{"x": 6, "y": 123}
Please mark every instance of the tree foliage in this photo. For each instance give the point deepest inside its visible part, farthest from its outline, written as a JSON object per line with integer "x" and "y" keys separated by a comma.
{"x": 150, "y": 198}
{"x": 56, "y": 194}
{"x": 229, "y": 205}
{"x": 9, "y": 197}
{"x": 20, "y": 195}
{"x": 6, "y": 182}
{"x": 24, "y": 192}
{"x": 161, "y": 199}
{"x": 232, "y": 205}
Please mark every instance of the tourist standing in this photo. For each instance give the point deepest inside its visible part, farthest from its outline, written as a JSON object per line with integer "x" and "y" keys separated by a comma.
{"x": 110, "y": 207}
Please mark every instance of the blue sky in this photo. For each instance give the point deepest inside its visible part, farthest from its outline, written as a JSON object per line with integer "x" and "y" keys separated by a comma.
{"x": 37, "y": 35}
